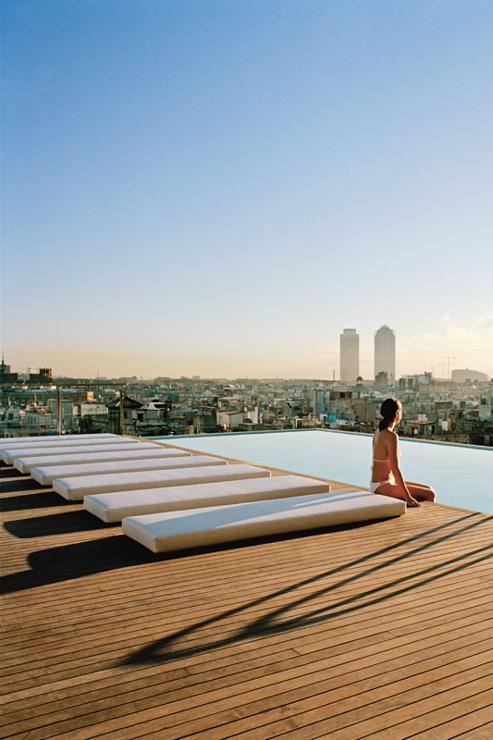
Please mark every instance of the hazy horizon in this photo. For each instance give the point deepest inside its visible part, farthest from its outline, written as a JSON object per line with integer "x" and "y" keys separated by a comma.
{"x": 199, "y": 187}
{"x": 122, "y": 365}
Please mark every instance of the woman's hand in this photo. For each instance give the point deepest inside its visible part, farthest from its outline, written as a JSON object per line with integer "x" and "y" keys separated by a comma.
{"x": 410, "y": 501}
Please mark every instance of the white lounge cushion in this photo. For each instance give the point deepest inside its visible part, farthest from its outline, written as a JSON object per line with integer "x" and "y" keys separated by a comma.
{"x": 51, "y": 438}
{"x": 46, "y": 475}
{"x": 143, "y": 451}
{"x": 113, "y": 507}
{"x": 75, "y": 489}
{"x": 178, "y": 530}
{"x": 54, "y": 446}
{"x": 9, "y": 456}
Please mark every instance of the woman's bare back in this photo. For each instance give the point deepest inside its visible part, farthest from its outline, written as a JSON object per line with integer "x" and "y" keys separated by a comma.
{"x": 382, "y": 465}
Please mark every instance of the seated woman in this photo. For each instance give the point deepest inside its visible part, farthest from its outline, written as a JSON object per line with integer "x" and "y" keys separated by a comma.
{"x": 386, "y": 476}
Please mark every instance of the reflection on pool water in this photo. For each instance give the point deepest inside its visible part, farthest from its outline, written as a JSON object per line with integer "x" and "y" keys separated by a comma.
{"x": 461, "y": 475}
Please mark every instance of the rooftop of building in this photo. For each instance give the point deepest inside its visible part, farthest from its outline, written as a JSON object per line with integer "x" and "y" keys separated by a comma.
{"x": 382, "y": 628}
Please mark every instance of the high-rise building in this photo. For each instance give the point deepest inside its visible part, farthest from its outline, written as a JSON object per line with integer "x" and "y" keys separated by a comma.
{"x": 349, "y": 355}
{"x": 319, "y": 403}
{"x": 385, "y": 352}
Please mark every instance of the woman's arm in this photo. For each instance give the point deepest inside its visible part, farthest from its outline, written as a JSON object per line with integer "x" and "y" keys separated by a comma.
{"x": 394, "y": 466}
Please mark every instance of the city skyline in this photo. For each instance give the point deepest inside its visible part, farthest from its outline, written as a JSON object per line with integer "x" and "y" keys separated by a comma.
{"x": 217, "y": 188}
{"x": 442, "y": 369}
{"x": 409, "y": 359}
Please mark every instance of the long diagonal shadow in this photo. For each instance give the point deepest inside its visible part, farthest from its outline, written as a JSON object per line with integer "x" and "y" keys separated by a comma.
{"x": 162, "y": 650}
{"x": 255, "y": 629}
{"x": 27, "y": 501}
{"x": 23, "y": 484}
{"x": 76, "y": 560}
{"x": 53, "y": 524}
{"x": 266, "y": 623}
{"x": 370, "y": 571}
{"x": 8, "y": 471}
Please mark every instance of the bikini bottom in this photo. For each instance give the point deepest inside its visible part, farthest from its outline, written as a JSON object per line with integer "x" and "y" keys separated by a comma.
{"x": 376, "y": 484}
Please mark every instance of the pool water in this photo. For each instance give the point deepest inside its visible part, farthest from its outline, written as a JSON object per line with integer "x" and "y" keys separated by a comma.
{"x": 461, "y": 475}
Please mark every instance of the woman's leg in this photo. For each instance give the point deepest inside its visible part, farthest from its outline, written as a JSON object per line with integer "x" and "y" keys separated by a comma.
{"x": 421, "y": 492}
{"x": 389, "y": 489}
{"x": 417, "y": 491}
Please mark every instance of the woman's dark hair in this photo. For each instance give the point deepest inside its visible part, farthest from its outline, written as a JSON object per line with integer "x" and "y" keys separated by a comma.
{"x": 388, "y": 410}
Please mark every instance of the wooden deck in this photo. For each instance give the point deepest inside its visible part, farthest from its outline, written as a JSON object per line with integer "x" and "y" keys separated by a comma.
{"x": 383, "y": 630}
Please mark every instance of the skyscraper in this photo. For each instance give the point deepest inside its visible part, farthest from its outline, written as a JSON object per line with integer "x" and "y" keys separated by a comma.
{"x": 349, "y": 355}
{"x": 385, "y": 352}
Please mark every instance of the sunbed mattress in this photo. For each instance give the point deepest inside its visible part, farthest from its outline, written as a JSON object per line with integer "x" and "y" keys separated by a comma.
{"x": 113, "y": 507}
{"x": 75, "y": 489}
{"x": 62, "y": 443}
{"x": 45, "y": 476}
{"x": 10, "y": 441}
{"x": 144, "y": 451}
{"x": 10, "y": 455}
{"x": 178, "y": 530}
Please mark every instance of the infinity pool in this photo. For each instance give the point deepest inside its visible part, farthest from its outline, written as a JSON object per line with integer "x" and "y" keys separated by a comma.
{"x": 461, "y": 475}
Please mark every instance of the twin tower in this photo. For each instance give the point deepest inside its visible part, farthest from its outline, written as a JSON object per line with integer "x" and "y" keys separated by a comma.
{"x": 384, "y": 354}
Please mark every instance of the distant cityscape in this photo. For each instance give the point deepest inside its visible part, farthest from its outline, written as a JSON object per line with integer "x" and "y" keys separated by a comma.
{"x": 456, "y": 408}
{"x": 385, "y": 360}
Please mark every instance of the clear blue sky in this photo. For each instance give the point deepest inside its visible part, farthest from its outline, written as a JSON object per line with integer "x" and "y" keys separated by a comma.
{"x": 218, "y": 187}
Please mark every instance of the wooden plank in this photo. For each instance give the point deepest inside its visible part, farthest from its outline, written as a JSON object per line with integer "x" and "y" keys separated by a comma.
{"x": 120, "y": 648}
{"x": 342, "y": 582}
{"x": 481, "y": 732}
{"x": 451, "y": 594}
{"x": 247, "y": 691}
{"x": 451, "y": 704}
{"x": 110, "y": 636}
{"x": 195, "y": 589}
{"x": 63, "y": 650}
{"x": 96, "y": 700}
{"x": 158, "y": 718}
{"x": 474, "y": 716}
